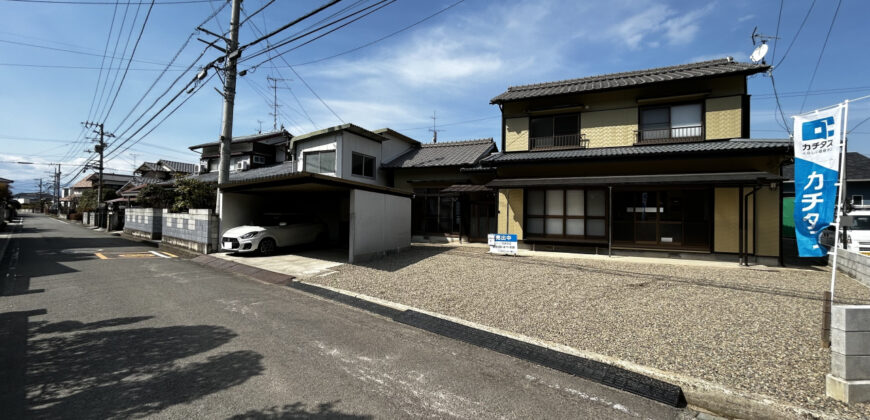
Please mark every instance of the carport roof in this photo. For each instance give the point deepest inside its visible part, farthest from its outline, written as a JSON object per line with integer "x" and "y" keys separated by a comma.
{"x": 285, "y": 175}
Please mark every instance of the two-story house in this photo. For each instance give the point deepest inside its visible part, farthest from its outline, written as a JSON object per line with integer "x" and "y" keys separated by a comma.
{"x": 332, "y": 175}
{"x": 246, "y": 152}
{"x": 649, "y": 160}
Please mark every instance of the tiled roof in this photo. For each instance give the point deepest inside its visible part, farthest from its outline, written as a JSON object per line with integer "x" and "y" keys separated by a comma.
{"x": 280, "y": 134}
{"x": 456, "y": 153}
{"x": 187, "y": 168}
{"x": 6, "y": 181}
{"x": 719, "y": 146}
{"x": 264, "y": 173}
{"x": 397, "y": 135}
{"x": 108, "y": 178}
{"x": 718, "y": 67}
{"x": 857, "y": 167}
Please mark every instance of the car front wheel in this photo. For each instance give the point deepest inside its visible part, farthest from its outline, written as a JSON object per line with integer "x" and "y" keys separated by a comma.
{"x": 267, "y": 246}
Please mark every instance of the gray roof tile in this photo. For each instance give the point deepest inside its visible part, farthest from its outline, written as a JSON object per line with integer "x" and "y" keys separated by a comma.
{"x": 857, "y": 167}
{"x": 629, "y": 151}
{"x": 264, "y": 173}
{"x": 718, "y": 67}
{"x": 277, "y": 136}
{"x": 182, "y": 167}
{"x": 456, "y": 153}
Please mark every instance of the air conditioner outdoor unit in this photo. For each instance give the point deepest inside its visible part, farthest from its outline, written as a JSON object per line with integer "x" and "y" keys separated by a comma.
{"x": 201, "y": 169}
{"x": 243, "y": 165}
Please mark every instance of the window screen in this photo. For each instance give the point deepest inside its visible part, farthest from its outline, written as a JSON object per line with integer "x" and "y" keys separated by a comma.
{"x": 322, "y": 162}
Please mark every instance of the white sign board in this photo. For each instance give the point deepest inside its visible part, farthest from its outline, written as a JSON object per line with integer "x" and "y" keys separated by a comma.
{"x": 500, "y": 243}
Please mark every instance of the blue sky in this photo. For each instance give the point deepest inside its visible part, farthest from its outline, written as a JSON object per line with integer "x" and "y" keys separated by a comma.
{"x": 452, "y": 64}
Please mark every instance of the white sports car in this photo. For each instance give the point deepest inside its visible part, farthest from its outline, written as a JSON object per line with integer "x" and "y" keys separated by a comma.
{"x": 266, "y": 239}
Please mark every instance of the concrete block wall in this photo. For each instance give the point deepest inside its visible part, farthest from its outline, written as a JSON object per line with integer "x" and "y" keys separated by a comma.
{"x": 196, "y": 230}
{"x": 849, "y": 380}
{"x": 144, "y": 223}
{"x": 853, "y": 264}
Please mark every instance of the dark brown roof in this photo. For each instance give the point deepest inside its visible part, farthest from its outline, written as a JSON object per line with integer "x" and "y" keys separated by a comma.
{"x": 857, "y": 167}
{"x": 276, "y": 136}
{"x": 718, "y": 67}
{"x": 456, "y": 153}
{"x": 717, "y": 146}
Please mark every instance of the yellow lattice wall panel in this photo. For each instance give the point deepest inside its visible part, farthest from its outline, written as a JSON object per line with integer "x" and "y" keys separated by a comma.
{"x": 510, "y": 212}
{"x": 609, "y": 128}
{"x": 723, "y": 118}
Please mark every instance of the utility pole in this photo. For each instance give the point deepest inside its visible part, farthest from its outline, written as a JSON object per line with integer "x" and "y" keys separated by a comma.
{"x": 40, "y": 193}
{"x": 57, "y": 188}
{"x": 229, "y": 94}
{"x": 274, "y": 85}
{"x": 100, "y": 148}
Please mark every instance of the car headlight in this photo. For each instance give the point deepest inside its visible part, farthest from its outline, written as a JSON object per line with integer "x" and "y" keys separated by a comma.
{"x": 249, "y": 235}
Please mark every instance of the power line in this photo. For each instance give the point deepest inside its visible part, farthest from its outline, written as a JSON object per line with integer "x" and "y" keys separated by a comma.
{"x": 800, "y": 28}
{"x": 132, "y": 54}
{"x": 27, "y": 44}
{"x": 784, "y": 123}
{"x": 819, "y": 61}
{"x": 368, "y": 44}
{"x": 380, "y": 5}
{"x": 105, "y": 3}
{"x": 100, "y": 103}
{"x": 776, "y": 37}
{"x": 62, "y": 67}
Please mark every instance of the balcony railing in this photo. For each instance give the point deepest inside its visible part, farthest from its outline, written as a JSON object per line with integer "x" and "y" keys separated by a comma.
{"x": 670, "y": 135}
{"x": 570, "y": 141}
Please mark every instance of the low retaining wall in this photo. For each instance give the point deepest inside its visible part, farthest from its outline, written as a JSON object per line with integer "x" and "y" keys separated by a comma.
{"x": 196, "y": 230}
{"x": 853, "y": 264}
{"x": 144, "y": 223}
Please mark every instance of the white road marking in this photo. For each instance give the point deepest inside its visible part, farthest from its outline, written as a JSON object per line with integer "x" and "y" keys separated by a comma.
{"x": 159, "y": 254}
{"x": 58, "y": 220}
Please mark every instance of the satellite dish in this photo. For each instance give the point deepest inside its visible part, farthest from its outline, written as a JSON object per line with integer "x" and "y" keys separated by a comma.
{"x": 759, "y": 53}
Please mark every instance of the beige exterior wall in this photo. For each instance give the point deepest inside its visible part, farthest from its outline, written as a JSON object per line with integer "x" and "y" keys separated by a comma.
{"x": 723, "y": 117}
{"x": 510, "y": 212}
{"x": 726, "y": 220}
{"x": 768, "y": 222}
{"x": 516, "y": 134}
{"x": 609, "y": 128}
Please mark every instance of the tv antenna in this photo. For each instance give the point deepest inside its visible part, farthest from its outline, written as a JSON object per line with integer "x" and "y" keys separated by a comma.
{"x": 760, "y": 40}
{"x": 434, "y": 128}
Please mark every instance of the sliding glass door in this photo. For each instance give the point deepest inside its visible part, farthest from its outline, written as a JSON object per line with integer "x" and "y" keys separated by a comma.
{"x": 679, "y": 218}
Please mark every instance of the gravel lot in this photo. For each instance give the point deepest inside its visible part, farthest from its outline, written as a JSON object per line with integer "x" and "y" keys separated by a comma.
{"x": 751, "y": 329}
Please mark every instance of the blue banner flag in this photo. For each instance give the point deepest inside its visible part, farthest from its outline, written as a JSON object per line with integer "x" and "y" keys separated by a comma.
{"x": 817, "y": 150}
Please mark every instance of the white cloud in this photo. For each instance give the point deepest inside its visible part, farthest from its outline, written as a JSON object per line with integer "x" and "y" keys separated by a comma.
{"x": 745, "y": 18}
{"x": 654, "y": 22}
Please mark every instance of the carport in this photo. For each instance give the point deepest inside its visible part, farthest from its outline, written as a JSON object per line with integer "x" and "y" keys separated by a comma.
{"x": 366, "y": 220}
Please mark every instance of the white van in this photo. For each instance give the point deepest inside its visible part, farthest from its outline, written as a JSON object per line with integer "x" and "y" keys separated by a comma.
{"x": 858, "y": 234}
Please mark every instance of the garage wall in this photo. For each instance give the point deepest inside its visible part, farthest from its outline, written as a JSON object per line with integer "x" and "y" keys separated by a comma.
{"x": 379, "y": 224}
{"x": 240, "y": 209}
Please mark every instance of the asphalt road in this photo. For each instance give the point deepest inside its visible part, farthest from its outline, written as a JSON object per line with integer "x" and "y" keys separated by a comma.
{"x": 124, "y": 334}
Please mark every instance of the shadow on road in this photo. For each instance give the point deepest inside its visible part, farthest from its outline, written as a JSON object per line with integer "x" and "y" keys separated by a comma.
{"x": 72, "y": 369}
{"x": 298, "y": 411}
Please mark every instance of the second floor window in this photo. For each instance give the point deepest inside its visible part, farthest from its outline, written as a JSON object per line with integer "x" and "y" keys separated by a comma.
{"x": 555, "y": 132}
{"x": 259, "y": 159}
{"x": 677, "y": 122}
{"x": 362, "y": 165}
{"x": 319, "y": 162}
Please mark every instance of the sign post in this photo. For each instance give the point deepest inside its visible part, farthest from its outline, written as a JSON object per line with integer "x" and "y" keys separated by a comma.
{"x": 500, "y": 243}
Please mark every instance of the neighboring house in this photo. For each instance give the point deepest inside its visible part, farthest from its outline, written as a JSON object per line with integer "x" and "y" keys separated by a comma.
{"x": 27, "y": 198}
{"x": 450, "y": 201}
{"x": 246, "y": 152}
{"x": 153, "y": 173}
{"x": 333, "y": 175}
{"x": 111, "y": 181}
{"x": 857, "y": 183}
{"x": 649, "y": 160}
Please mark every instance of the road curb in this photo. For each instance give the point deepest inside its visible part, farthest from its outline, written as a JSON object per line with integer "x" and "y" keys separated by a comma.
{"x": 8, "y": 239}
{"x": 696, "y": 393}
{"x": 245, "y": 270}
{"x": 596, "y": 371}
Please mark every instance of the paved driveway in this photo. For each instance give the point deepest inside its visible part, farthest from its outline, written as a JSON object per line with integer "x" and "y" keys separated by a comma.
{"x": 755, "y": 330}
{"x": 298, "y": 263}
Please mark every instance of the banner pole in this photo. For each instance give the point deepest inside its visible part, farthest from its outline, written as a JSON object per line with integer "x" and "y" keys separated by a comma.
{"x": 840, "y": 194}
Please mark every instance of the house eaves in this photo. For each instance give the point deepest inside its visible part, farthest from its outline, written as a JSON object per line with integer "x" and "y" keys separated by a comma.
{"x": 713, "y": 68}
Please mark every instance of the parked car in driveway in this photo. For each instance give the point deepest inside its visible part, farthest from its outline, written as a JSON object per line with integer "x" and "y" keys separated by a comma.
{"x": 273, "y": 233}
